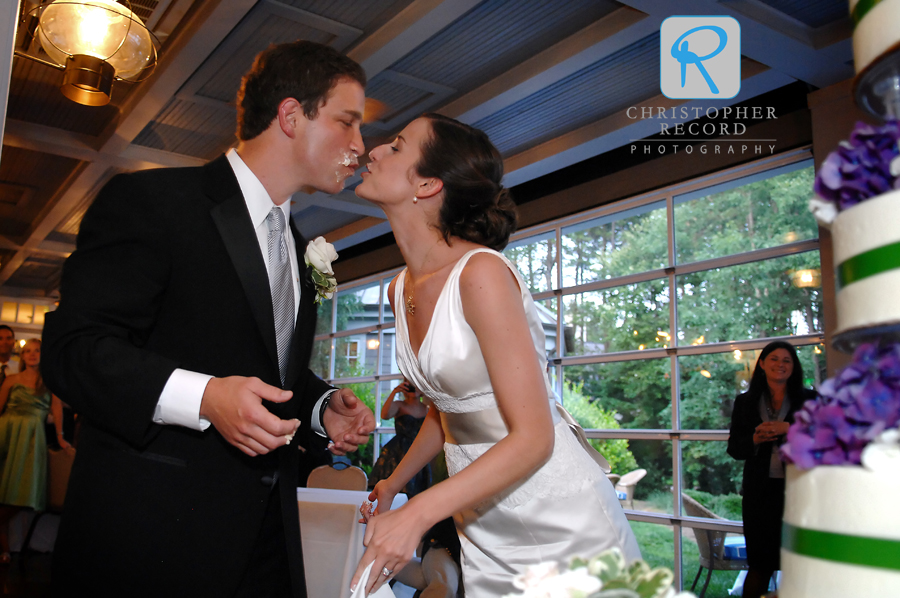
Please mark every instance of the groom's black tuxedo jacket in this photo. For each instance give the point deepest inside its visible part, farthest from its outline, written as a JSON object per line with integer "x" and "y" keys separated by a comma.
{"x": 168, "y": 274}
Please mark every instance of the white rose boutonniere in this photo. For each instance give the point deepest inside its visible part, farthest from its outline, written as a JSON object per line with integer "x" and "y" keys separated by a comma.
{"x": 319, "y": 255}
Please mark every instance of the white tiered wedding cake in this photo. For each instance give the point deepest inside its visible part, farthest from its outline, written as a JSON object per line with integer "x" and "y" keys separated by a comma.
{"x": 841, "y": 525}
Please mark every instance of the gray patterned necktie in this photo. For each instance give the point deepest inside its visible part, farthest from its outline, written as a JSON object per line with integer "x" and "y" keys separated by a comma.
{"x": 281, "y": 287}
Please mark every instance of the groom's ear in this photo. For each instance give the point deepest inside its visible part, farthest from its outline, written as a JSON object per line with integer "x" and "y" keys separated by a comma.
{"x": 429, "y": 188}
{"x": 290, "y": 114}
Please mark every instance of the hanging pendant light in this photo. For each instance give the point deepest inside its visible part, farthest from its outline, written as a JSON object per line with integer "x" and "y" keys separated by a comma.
{"x": 96, "y": 42}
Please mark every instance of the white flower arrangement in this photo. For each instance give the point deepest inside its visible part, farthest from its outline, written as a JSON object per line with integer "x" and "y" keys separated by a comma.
{"x": 607, "y": 575}
{"x": 319, "y": 255}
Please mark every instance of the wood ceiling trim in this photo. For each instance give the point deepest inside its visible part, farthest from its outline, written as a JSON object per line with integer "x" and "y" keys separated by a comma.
{"x": 81, "y": 147}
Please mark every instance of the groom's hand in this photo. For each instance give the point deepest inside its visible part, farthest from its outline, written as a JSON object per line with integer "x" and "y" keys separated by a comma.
{"x": 234, "y": 406}
{"x": 348, "y": 422}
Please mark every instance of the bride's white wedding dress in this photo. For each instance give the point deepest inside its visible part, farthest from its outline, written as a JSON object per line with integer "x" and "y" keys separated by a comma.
{"x": 567, "y": 508}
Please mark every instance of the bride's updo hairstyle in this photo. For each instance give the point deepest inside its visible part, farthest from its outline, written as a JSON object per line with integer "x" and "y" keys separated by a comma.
{"x": 476, "y": 206}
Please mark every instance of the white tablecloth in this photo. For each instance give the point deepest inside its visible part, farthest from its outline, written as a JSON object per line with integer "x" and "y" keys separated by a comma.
{"x": 332, "y": 538}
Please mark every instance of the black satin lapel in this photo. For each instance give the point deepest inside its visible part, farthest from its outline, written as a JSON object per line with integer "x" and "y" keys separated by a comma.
{"x": 305, "y": 328}
{"x": 234, "y": 224}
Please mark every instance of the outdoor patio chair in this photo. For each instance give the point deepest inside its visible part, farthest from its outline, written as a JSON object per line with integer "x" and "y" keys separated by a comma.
{"x": 711, "y": 545}
{"x": 626, "y": 485}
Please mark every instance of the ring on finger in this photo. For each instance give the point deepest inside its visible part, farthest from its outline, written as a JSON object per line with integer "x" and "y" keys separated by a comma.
{"x": 386, "y": 572}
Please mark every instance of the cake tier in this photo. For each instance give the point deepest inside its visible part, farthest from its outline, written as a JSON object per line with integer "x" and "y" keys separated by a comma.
{"x": 868, "y": 264}
{"x": 842, "y": 534}
{"x": 876, "y": 32}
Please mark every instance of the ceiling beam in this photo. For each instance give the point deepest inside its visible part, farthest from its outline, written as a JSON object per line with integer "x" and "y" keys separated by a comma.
{"x": 615, "y": 31}
{"x": 49, "y": 140}
{"x": 402, "y": 34}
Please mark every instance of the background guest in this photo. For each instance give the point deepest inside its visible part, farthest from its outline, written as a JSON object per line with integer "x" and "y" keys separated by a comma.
{"x": 8, "y": 364}
{"x": 760, "y": 420}
{"x": 408, "y": 413}
{"x": 25, "y": 402}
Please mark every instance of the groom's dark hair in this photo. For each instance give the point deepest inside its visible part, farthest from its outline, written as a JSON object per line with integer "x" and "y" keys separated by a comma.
{"x": 303, "y": 70}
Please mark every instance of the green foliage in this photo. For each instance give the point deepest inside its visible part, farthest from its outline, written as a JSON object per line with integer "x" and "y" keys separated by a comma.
{"x": 592, "y": 415}
{"x": 723, "y": 505}
{"x": 745, "y": 301}
{"x": 364, "y": 457}
{"x": 657, "y": 548}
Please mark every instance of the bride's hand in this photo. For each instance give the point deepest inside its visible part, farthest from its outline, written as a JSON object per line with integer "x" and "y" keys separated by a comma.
{"x": 391, "y": 539}
{"x": 384, "y": 494}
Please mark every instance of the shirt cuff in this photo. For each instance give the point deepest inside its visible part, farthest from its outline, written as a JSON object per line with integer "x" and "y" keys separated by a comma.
{"x": 179, "y": 402}
{"x": 315, "y": 422}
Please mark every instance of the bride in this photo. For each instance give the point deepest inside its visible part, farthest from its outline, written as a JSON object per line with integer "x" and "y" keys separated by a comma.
{"x": 521, "y": 489}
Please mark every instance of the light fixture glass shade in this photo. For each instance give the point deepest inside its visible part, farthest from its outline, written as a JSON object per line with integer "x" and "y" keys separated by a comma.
{"x": 103, "y": 29}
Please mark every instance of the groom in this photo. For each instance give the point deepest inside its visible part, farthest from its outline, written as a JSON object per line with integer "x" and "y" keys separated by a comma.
{"x": 183, "y": 338}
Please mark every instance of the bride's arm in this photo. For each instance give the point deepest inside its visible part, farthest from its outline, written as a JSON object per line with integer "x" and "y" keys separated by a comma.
{"x": 492, "y": 305}
{"x": 428, "y": 443}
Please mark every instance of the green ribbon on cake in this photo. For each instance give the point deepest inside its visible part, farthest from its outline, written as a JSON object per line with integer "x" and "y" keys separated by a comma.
{"x": 842, "y": 548}
{"x": 862, "y": 7}
{"x": 869, "y": 263}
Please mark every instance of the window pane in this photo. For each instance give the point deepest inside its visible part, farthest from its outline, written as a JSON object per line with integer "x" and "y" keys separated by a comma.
{"x": 26, "y": 313}
{"x": 657, "y": 543}
{"x": 386, "y": 387}
{"x": 749, "y": 301}
{"x": 547, "y": 312}
{"x": 592, "y": 415}
{"x": 389, "y": 352}
{"x": 387, "y": 313}
{"x": 651, "y": 493}
{"x": 712, "y": 477}
{"x": 8, "y": 312}
{"x": 694, "y": 543}
{"x": 709, "y": 384}
{"x": 323, "y": 316}
{"x": 760, "y": 214}
{"x": 351, "y": 357}
{"x": 535, "y": 258}
{"x": 626, "y": 318}
{"x": 358, "y": 307}
{"x": 364, "y": 457}
{"x": 812, "y": 359}
{"x": 320, "y": 361}
{"x": 627, "y": 242}
{"x": 638, "y": 393}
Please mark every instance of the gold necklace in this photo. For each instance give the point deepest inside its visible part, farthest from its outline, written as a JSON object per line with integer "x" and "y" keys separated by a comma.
{"x": 410, "y": 302}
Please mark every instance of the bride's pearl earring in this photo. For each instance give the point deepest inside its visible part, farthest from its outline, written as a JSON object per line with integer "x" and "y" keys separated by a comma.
{"x": 415, "y": 199}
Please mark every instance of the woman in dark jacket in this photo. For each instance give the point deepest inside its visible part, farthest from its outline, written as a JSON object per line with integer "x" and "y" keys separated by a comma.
{"x": 759, "y": 424}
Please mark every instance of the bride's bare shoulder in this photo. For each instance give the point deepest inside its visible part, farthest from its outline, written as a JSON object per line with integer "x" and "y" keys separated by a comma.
{"x": 486, "y": 271}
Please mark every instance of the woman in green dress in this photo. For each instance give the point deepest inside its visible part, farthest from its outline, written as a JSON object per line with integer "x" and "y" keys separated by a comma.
{"x": 24, "y": 404}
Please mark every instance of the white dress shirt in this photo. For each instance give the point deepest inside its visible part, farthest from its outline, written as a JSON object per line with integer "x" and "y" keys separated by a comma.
{"x": 12, "y": 366}
{"x": 179, "y": 402}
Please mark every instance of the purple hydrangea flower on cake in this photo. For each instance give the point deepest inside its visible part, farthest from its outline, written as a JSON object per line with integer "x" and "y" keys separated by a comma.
{"x": 852, "y": 409}
{"x": 863, "y": 166}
